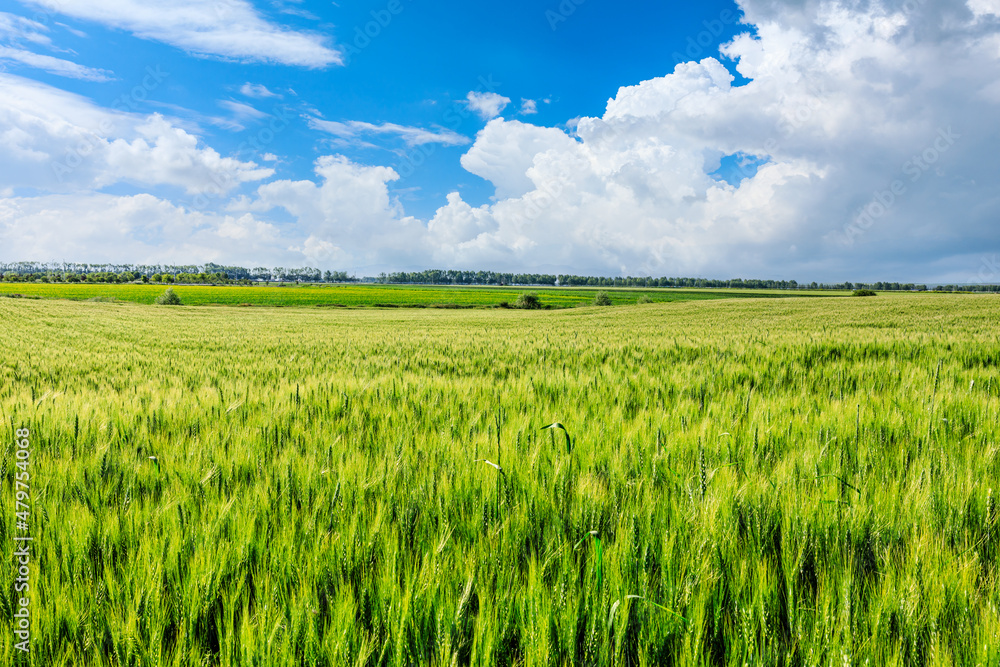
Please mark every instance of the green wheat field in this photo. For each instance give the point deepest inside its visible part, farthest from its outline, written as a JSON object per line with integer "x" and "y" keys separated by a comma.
{"x": 376, "y": 296}
{"x": 798, "y": 481}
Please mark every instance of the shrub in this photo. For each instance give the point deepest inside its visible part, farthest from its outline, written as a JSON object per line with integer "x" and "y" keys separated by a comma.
{"x": 528, "y": 302}
{"x": 644, "y": 299}
{"x": 602, "y": 299}
{"x": 864, "y": 292}
{"x": 168, "y": 298}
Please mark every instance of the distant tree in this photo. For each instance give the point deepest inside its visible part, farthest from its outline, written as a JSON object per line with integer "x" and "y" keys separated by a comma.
{"x": 169, "y": 298}
{"x": 528, "y": 302}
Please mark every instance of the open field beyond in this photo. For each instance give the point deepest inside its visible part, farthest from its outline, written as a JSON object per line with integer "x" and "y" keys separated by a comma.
{"x": 367, "y": 295}
{"x": 748, "y": 481}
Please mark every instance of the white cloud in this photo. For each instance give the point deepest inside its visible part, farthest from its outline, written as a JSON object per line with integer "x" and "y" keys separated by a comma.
{"x": 60, "y": 142}
{"x": 53, "y": 65}
{"x": 528, "y": 107}
{"x": 294, "y": 11}
{"x": 458, "y": 223}
{"x": 317, "y": 252}
{"x": 231, "y": 29}
{"x": 505, "y": 150}
{"x": 141, "y": 229}
{"x": 348, "y": 214}
{"x": 163, "y": 154}
{"x": 985, "y": 7}
{"x": 16, "y": 29}
{"x": 412, "y": 136}
{"x": 242, "y": 111}
{"x": 73, "y": 31}
{"x": 845, "y": 101}
{"x": 257, "y": 90}
{"x": 487, "y": 105}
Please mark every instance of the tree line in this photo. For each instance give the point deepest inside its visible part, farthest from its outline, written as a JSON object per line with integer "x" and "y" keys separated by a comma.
{"x": 220, "y": 274}
{"x": 158, "y": 273}
{"x": 967, "y": 288}
{"x": 440, "y": 277}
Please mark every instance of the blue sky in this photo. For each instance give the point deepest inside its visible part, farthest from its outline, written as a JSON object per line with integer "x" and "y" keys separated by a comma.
{"x": 518, "y": 136}
{"x": 404, "y": 63}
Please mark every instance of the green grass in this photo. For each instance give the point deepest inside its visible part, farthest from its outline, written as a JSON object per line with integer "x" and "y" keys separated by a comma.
{"x": 366, "y": 295}
{"x": 771, "y": 482}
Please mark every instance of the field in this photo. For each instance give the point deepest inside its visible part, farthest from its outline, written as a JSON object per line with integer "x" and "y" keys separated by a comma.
{"x": 356, "y": 296}
{"x": 745, "y": 482}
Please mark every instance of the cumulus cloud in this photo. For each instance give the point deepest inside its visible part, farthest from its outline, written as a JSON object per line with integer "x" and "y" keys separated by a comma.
{"x": 164, "y": 154}
{"x": 845, "y": 104}
{"x": 349, "y": 214}
{"x": 868, "y": 127}
{"x": 140, "y": 228}
{"x": 60, "y": 142}
{"x": 458, "y": 224}
{"x": 505, "y": 150}
{"x": 528, "y": 107}
{"x": 231, "y": 29}
{"x": 487, "y": 105}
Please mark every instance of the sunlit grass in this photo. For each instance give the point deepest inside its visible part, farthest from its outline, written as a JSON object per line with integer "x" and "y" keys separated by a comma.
{"x": 368, "y": 295}
{"x": 795, "y": 481}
